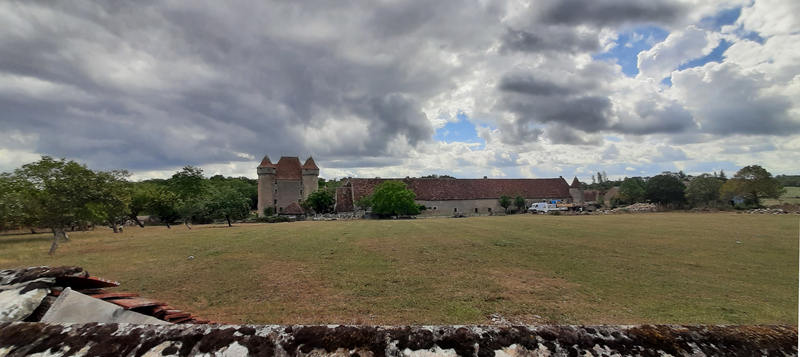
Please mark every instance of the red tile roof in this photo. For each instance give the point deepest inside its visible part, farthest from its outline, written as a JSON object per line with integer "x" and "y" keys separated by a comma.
{"x": 310, "y": 164}
{"x": 289, "y": 168}
{"x": 266, "y": 163}
{"x": 294, "y": 208}
{"x": 575, "y": 183}
{"x": 590, "y": 195}
{"x": 470, "y": 189}
{"x": 344, "y": 202}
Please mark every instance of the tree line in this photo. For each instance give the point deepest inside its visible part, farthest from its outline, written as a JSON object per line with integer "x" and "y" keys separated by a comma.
{"x": 61, "y": 194}
{"x": 751, "y": 185}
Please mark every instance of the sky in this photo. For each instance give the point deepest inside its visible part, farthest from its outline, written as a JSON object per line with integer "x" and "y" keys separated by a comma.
{"x": 473, "y": 88}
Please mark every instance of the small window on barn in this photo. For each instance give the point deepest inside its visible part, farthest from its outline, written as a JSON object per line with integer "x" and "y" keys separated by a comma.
{"x": 434, "y": 207}
{"x": 455, "y": 209}
{"x": 476, "y": 209}
{"x": 280, "y": 209}
{"x": 490, "y": 209}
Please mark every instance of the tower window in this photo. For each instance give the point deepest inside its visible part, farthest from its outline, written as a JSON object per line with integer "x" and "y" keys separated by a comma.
{"x": 299, "y": 200}
{"x": 280, "y": 209}
{"x": 275, "y": 201}
{"x": 301, "y": 192}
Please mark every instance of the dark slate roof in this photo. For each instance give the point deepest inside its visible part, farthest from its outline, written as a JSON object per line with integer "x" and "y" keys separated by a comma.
{"x": 310, "y": 164}
{"x": 289, "y": 168}
{"x": 443, "y": 189}
{"x": 294, "y": 208}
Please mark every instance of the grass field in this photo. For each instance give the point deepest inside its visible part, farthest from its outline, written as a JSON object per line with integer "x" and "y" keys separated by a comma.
{"x": 602, "y": 269}
{"x": 791, "y": 196}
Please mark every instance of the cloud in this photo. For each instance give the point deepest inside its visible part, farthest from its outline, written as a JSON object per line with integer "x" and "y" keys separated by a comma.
{"x": 679, "y": 47}
{"x": 609, "y": 12}
{"x": 557, "y": 39}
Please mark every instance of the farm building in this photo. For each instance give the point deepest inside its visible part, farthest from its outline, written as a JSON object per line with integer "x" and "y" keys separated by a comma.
{"x": 469, "y": 196}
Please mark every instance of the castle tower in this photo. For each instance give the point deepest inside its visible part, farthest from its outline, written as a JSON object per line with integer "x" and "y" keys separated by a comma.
{"x": 310, "y": 177}
{"x": 576, "y": 191}
{"x": 266, "y": 184}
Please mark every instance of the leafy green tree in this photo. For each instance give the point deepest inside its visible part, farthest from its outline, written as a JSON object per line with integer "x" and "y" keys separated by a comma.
{"x": 57, "y": 192}
{"x": 753, "y": 183}
{"x": 364, "y": 203}
{"x": 164, "y": 205}
{"x": 115, "y": 197}
{"x": 188, "y": 183}
{"x": 229, "y": 203}
{"x": 15, "y": 206}
{"x": 631, "y": 191}
{"x": 519, "y": 202}
{"x": 393, "y": 198}
{"x": 505, "y": 202}
{"x": 321, "y": 201}
{"x": 665, "y": 189}
{"x": 245, "y": 186}
{"x": 141, "y": 195}
{"x": 702, "y": 190}
{"x": 193, "y": 208}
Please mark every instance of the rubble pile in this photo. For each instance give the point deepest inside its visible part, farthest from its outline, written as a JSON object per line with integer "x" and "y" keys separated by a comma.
{"x": 636, "y": 207}
{"x": 68, "y": 294}
{"x": 767, "y": 211}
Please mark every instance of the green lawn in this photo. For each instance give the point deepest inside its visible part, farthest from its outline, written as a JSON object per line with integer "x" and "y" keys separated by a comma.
{"x": 602, "y": 269}
{"x": 791, "y": 196}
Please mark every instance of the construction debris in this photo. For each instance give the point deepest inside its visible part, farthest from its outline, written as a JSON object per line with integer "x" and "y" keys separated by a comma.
{"x": 767, "y": 211}
{"x": 69, "y": 294}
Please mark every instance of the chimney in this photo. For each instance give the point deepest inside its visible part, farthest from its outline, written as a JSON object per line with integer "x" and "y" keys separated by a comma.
{"x": 485, "y": 177}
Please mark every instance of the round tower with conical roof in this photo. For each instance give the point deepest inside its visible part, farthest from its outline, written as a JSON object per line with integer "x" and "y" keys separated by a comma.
{"x": 310, "y": 177}
{"x": 576, "y": 191}
{"x": 266, "y": 184}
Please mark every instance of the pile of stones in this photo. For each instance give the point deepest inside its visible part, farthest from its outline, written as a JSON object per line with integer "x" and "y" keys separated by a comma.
{"x": 767, "y": 211}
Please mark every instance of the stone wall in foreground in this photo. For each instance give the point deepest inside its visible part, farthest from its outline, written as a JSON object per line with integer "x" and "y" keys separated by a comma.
{"x": 27, "y": 339}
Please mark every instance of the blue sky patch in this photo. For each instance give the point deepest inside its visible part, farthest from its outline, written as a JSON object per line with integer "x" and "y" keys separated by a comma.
{"x": 460, "y": 131}
{"x": 629, "y": 44}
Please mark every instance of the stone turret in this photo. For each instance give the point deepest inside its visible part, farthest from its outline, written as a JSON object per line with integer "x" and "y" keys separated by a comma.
{"x": 576, "y": 191}
{"x": 266, "y": 184}
{"x": 310, "y": 177}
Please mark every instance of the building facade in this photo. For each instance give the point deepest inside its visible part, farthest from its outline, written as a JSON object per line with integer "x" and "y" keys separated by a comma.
{"x": 285, "y": 182}
{"x": 468, "y": 196}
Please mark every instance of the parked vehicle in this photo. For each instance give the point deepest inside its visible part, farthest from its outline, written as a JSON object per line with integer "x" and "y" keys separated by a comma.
{"x": 544, "y": 207}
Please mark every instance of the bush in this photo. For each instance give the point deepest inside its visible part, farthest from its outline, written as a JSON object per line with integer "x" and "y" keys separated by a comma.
{"x": 269, "y": 211}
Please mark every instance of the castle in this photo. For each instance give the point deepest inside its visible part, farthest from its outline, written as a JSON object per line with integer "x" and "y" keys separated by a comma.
{"x": 285, "y": 182}
{"x": 288, "y": 181}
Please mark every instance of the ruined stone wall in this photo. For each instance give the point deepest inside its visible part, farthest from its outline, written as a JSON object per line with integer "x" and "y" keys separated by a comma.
{"x": 29, "y": 339}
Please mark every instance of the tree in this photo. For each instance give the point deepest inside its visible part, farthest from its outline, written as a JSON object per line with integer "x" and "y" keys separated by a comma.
{"x": 519, "y": 202}
{"x": 188, "y": 183}
{"x": 364, "y": 203}
{"x": 632, "y": 191}
{"x": 229, "y": 203}
{"x": 505, "y": 202}
{"x": 753, "y": 183}
{"x": 703, "y": 189}
{"x": 393, "y": 198}
{"x": 57, "y": 192}
{"x": 321, "y": 201}
{"x": 14, "y": 206}
{"x": 115, "y": 197}
{"x": 164, "y": 205}
{"x": 665, "y": 189}
{"x": 140, "y": 198}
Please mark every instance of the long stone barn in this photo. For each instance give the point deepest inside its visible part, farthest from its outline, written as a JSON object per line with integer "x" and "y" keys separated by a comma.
{"x": 467, "y": 196}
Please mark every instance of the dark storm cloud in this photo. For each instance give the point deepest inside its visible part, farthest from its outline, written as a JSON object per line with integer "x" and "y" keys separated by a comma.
{"x": 590, "y": 113}
{"x": 672, "y": 118}
{"x": 557, "y": 39}
{"x": 532, "y": 86}
{"x": 152, "y": 85}
{"x": 609, "y": 12}
{"x": 559, "y": 134}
